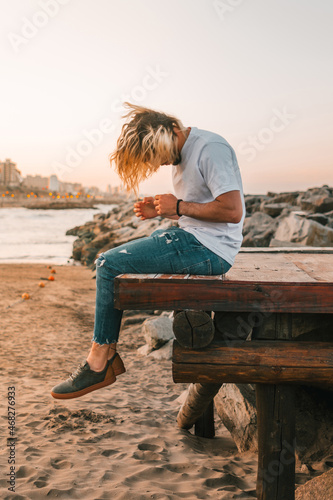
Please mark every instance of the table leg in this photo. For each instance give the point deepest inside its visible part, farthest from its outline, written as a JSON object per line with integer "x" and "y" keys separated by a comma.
{"x": 276, "y": 442}
{"x": 204, "y": 426}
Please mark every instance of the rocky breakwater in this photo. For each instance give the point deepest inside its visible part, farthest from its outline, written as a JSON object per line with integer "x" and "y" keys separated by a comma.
{"x": 297, "y": 218}
{"x": 110, "y": 230}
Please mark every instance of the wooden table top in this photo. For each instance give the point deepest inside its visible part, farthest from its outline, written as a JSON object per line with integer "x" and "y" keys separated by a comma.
{"x": 282, "y": 267}
{"x": 287, "y": 281}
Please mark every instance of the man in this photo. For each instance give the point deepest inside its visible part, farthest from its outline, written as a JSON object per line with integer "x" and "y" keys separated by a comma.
{"x": 210, "y": 209}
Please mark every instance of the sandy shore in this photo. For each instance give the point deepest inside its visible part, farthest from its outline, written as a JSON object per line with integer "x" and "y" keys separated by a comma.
{"x": 121, "y": 442}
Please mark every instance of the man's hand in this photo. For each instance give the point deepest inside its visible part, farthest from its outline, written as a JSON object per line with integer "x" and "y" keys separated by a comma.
{"x": 166, "y": 205}
{"x": 145, "y": 209}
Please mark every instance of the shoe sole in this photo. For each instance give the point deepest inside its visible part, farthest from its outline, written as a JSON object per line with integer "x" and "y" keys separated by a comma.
{"x": 117, "y": 370}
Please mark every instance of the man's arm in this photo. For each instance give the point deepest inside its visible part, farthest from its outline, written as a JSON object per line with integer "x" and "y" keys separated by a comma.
{"x": 225, "y": 208}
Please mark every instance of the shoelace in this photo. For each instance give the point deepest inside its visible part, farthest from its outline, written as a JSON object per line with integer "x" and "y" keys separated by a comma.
{"x": 77, "y": 371}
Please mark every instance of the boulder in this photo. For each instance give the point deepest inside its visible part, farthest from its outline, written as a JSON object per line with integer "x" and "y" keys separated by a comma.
{"x": 274, "y": 209}
{"x": 297, "y": 228}
{"x": 253, "y": 202}
{"x": 319, "y": 487}
{"x": 278, "y": 243}
{"x": 317, "y": 204}
{"x": 101, "y": 240}
{"x": 78, "y": 246}
{"x": 317, "y": 200}
{"x": 144, "y": 350}
{"x": 99, "y": 217}
{"x": 236, "y": 406}
{"x": 88, "y": 254}
{"x": 165, "y": 352}
{"x": 157, "y": 331}
{"x": 258, "y": 230}
{"x": 320, "y": 218}
{"x": 289, "y": 198}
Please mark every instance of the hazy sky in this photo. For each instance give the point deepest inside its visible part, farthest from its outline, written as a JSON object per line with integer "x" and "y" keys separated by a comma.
{"x": 258, "y": 72}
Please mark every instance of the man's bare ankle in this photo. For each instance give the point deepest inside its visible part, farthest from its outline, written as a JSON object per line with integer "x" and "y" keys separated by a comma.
{"x": 98, "y": 356}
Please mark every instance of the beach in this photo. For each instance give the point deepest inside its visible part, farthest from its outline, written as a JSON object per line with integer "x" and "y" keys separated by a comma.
{"x": 121, "y": 442}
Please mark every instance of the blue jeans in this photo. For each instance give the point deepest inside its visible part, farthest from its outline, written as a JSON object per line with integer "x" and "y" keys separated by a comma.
{"x": 171, "y": 251}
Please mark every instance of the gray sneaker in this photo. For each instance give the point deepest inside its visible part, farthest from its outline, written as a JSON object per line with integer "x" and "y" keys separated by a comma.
{"x": 85, "y": 380}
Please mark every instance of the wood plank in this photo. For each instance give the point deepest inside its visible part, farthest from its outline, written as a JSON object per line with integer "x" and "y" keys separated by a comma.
{"x": 226, "y": 295}
{"x": 205, "y": 425}
{"x": 231, "y": 374}
{"x": 319, "y": 268}
{"x": 267, "y": 362}
{"x": 276, "y": 418}
{"x": 296, "y": 249}
{"x": 276, "y": 442}
{"x": 266, "y": 267}
{"x": 279, "y": 354}
{"x": 198, "y": 399}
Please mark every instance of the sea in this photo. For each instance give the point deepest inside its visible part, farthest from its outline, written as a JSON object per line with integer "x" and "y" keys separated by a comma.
{"x": 39, "y": 236}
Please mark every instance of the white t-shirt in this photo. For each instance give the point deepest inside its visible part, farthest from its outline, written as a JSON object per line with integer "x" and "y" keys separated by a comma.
{"x": 208, "y": 169}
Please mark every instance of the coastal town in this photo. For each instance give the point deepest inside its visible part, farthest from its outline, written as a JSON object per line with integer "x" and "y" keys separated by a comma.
{"x": 36, "y": 191}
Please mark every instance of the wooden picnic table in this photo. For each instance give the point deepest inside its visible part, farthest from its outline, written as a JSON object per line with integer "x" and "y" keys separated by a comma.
{"x": 277, "y": 291}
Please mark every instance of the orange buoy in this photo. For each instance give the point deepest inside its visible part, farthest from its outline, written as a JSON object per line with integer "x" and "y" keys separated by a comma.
{"x": 53, "y": 271}
{"x": 51, "y": 278}
{"x": 41, "y": 284}
{"x": 25, "y": 296}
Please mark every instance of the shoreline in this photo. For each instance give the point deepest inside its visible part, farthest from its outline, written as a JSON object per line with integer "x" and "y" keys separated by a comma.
{"x": 58, "y": 206}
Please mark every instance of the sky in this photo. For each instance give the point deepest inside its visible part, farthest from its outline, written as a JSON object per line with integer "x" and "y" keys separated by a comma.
{"x": 257, "y": 72}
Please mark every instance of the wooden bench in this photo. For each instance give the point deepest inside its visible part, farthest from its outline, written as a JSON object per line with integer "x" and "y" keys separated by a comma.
{"x": 270, "y": 294}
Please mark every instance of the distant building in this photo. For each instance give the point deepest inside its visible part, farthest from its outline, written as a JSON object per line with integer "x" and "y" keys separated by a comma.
{"x": 70, "y": 187}
{"x": 9, "y": 175}
{"x": 54, "y": 183}
{"x": 93, "y": 190}
{"x": 36, "y": 181}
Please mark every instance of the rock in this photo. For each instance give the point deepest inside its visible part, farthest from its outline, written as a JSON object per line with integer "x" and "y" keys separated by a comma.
{"x": 235, "y": 405}
{"x": 317, "y": 204}
{"x": 317, "y": 200}
{"x": 101, "y": 240}
{"x": 88, "y": 254}
{"x": 78, "y": 246}
{"x": 289, "y": 198}
{"x": 258, "y": 230}
{"x": 274, "y": 209}
{"x": 99, "y": 217}
{"x": 256, "y": 222}
{"x": 157, "y": 331}
{"x": 278, "y": 243}
{"x": 73, "y": 231}
{"x": 319, "y": 487}
{"x": 164, "y": 352}
{"x": 298, "y": 229}
{"x": 144, "y": 350}
{"x": 253, "y": 202}
{"x": 320, "y": 218}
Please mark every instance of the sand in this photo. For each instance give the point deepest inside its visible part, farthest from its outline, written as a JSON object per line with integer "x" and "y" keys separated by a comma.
{"x": 120, "y": 442}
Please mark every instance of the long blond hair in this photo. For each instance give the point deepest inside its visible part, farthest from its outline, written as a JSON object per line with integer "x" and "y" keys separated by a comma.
{"x": 147, "y": 140}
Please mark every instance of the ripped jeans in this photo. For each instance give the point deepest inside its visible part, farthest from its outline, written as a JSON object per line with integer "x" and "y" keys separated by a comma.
{"x": 172, "y": 251}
